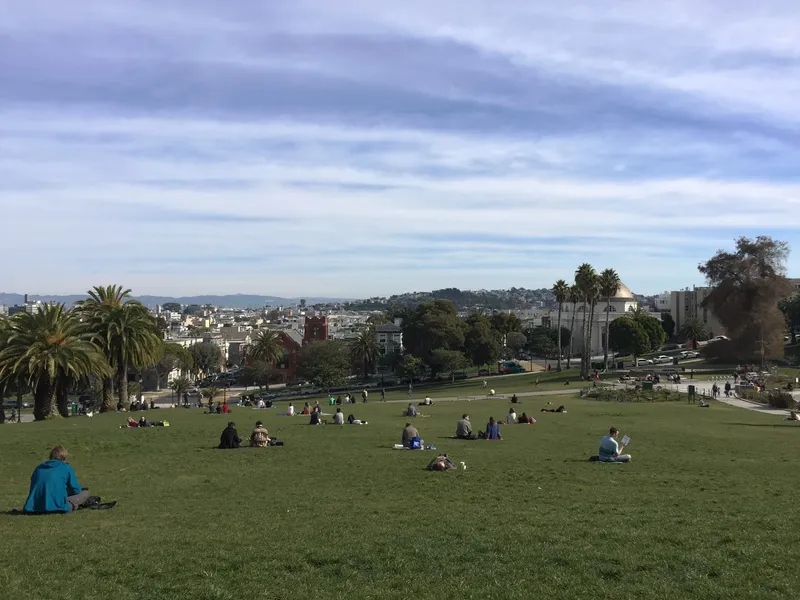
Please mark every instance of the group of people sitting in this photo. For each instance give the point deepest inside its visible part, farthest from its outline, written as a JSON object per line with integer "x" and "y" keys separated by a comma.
{"x": 221, "y": 408}
{"x": 464, "y": 430}
{"x": 259, "y": 437}
{"x": 512, "y": 418}
{"x": 139, "y": 404}
{"x": 142, "y": 422}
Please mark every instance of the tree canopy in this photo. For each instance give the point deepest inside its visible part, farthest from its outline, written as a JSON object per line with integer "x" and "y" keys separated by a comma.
{"x": 748, "y": 283}
{"x": 325, "y": 363}
{"x": 626, "y": 335}
{"x": 431, "y": 326}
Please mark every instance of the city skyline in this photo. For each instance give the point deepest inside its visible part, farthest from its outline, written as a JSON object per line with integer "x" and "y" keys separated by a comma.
{"x": 357, "y": 150}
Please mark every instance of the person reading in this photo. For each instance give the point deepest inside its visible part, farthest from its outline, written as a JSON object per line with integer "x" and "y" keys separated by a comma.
{"x": 259, "y": 438}
{"x": 54, "y": 487}
{"x": 229, "y": 438}
{"x": 493, "y": 430}
{"x": 611, "y": 450}
{"x": 409, "y": 432}
{"x": 464, "y": 429}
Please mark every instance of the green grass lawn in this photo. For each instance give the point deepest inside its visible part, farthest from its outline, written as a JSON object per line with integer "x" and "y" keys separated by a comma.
{"x": 705, "y": 510}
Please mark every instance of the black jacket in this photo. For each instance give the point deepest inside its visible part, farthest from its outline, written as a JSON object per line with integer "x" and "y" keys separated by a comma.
{"x": 229, "y": 438}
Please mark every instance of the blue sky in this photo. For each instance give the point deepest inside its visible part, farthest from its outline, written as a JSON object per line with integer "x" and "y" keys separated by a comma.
{"x": 360, "y": 148}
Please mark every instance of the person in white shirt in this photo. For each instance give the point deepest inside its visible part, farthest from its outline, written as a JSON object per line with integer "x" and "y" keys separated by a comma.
{"x": 511, "y": 419}
{"x": 261, "y": 403}
{"x": 610, "y": 450}
{"x": 338, "y": 418}
{"x": 290, "y": 410}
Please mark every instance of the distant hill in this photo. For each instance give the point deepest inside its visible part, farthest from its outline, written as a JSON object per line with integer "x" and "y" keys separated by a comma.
{"x": 228, "y": 301}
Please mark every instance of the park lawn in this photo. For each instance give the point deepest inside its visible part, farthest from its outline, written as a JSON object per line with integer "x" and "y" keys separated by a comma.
{"x": 705, "y": 510}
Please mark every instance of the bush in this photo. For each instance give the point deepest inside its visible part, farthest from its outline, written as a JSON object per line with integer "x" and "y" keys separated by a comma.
{"x": 633, "y": 395}
{"x": 779, "y": 399}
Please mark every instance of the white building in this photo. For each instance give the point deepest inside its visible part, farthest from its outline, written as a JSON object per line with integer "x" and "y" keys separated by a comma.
{"x": 687, "y": 303}
{"x": 622, "y": 303}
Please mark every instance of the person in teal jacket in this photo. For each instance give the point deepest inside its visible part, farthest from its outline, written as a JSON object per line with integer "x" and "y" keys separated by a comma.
{"x": 55, "y": 487}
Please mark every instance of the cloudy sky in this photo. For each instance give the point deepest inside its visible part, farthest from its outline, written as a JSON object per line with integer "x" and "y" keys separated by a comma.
{"x": 364, "y": 147}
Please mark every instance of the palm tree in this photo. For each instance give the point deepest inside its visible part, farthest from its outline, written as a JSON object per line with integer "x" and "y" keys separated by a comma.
{"x": 175, "y": 356}
{"x": 694, "y": 329}
{"x": 561, "y": 292}
{"x": 365, "y": 348}
{"x": 609, "y": 284}
{"x": 210, "y": 393}
{"x": 586, "y": 280}
{"x": 267, "y": 347}
{"x": 574, "y": 298}
{"x": 179, "y": 387}
{"x": 128, "y": 333}
{"x": 49, "y": 350}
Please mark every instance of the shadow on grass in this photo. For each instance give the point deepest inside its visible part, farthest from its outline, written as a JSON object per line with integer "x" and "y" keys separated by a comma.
{"x": 765, "y": 424}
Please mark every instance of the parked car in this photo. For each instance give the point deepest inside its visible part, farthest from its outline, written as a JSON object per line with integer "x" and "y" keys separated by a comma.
{"x": 643, "y": 361}
{"x": 689, "y": 354}
{"x": 662, "y": 359}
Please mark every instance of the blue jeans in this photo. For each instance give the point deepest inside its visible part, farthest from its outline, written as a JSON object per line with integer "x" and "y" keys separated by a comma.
{"x": 622, "y": 458}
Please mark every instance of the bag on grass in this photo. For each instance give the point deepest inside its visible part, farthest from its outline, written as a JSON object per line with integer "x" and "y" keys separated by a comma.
{"x": 441, "y": 463}
{"x": 415, "y": 443}
{"x": 275, "y": 442}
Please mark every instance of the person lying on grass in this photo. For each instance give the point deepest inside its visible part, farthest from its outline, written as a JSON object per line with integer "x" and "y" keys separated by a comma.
{"x": 353, "y": 421}
{"x": 230, "y": 437}
{"x": 55, "y": 487}
{"x": 259, "y": 438}
{"x": 464, "y": 429}
{"x": 610, "y": 449}
{"x": 409, "y": 432}
{"x": 560, "y": 409}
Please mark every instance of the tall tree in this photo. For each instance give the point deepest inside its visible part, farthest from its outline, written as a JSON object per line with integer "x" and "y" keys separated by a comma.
{"x": 433, "y": 325}
{"x": 206, "y": 356}
{"x": 365, "y": 349}
{"x": 627, "y": 336}
{"x": 449, "y": 361}
{"x": 609, "y": 284}
{"x": 127, "y": 332}
{"x": 693, "y": 330}
{"x": 790, "y": 307}
{"x": 747, "y": 284}
{"x": 48, "y": 350}
{"x": 574, "y": 298}
{"x": 325, "y": 363}
{"x": 259, "y": 373}
{"x": 210, "y": 393}
{"x": 267, "y": 347}
{"x": 482, "y": 341}
{"x": 668, "y": 323}
{"x": 516, "y": 341}
{"x": 174, "y": 356}
{"x": 589, "y": 284}
{"x": 561, "y": 292}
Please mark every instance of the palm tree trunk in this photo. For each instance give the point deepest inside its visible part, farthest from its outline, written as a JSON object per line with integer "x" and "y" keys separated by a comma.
{"x": 585, "y": 349}
{"x": 591, "y": 337}
{"x": 571, "y": 335}
{"x": 605, "y": 345}
{"x": 62, "y": 400}
{"x": 558, "y": 367}
{"x": 43, "y": 405}
{"x": 108, "y": 395}
{"x": 122, "y": 385}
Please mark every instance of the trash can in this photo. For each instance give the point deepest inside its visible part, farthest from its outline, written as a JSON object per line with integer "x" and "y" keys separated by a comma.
{"x": 647, "y": 385}
{"x": 74, "y": 408}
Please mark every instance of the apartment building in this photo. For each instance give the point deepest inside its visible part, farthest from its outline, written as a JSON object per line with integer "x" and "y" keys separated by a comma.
{"x": 688, "y": 303}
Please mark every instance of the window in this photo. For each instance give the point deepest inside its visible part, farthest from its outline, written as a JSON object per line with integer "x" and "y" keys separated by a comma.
{"x": 609, "y": 308}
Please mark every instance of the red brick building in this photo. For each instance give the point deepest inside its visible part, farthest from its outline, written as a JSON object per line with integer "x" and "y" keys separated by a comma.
{"x": 292, "y": 342}
{"x": 316, "y": 329}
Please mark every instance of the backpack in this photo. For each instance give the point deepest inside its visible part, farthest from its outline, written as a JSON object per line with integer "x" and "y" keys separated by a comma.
{"x": 441, "y": 463}
{"x": 415, "y": 443}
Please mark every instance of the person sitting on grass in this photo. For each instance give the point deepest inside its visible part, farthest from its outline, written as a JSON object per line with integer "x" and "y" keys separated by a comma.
{"x": 426, "y": 402}
{"x": 514, "y": 399}
{"x": 260, "y": 436}
{"x": 512, "y": 417}
{"x": 793, "y": 416}
{"x": 493, "y": 430}
{"x": 610, "y": 450}
{"x": 338, "y": 418}
{"x": 411, "y": 411}
{"x": 464, "y": 429}
{"x": 524, "y": 418}
{"x": 307, "y": 409}
{"x": 290, "y": 410}
{"x": 314, "y": 418}
{"x": 409, "y": 432}
{"x": 55, "y": 487}
{"x": 353, "y": 421}
{"x": 230, "y": 438}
